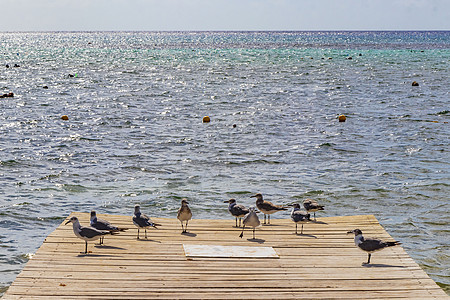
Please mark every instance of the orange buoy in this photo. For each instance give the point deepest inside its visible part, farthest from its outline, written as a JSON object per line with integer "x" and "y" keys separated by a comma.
{"x": 206, "y": 119}
{"x": 65, "y": 118}
{"x": 342, "y": 118}
{"x": 415, "y": 83}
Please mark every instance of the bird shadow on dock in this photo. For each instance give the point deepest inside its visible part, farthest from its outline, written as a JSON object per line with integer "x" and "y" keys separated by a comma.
{"x": 189, "y": 234}
{"x": 82, "y": 254}
{"x": 259, "y": 241}
{"x": 147, "y": 240}
{"x": 319, "y": 222}
{"x": 109, "y": 247}
{"x": 305, "y": 235}
{"x": 380, "y": 266}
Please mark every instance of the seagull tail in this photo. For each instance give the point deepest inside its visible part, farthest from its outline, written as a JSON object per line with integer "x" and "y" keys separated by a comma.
{"x": 155, "y": 224}
{"x": 320, "y": 207}
{"x": 390, "y": 244}
{"x": 123, "y": 229}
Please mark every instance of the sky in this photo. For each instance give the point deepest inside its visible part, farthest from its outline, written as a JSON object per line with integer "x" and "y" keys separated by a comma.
{"x": 227, "y": 15}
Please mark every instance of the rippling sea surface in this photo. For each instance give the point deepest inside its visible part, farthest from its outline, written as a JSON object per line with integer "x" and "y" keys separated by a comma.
{"x": 135, "y": 134}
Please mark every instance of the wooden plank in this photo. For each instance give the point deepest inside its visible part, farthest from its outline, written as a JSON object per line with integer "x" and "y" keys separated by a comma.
{"x": 321, "y": 264}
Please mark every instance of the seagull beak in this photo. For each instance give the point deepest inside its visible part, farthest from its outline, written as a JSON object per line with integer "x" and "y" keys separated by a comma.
{"x": 68, "y": 222}
{"x": 227, "y": 201}
{"x": 351, "y": 231}
{"x": 253, "y": 196}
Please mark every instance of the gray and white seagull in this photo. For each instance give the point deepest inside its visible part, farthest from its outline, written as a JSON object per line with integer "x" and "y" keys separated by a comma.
{"x": 86, "y": 233}
{"x": 299, "y": 216}
{"x": 103, "y": 225}
{"x": 250, "y": 220}
{"x": 236, "y": 210}
{"x": 142, "y": 221}
{"x": 370, "y": 245}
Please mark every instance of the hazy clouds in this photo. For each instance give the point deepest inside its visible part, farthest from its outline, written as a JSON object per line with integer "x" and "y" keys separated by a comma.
{"x": 30, "y": 15}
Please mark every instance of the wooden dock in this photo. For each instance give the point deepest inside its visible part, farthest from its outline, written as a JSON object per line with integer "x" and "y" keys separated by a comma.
{"x": 321, "y": 263}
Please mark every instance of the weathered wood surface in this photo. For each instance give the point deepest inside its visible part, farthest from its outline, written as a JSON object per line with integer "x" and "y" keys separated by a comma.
{"x": 321, "y": 263}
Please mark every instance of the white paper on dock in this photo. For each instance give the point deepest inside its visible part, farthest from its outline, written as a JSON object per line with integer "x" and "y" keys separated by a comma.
{"x": 229, "y": 251}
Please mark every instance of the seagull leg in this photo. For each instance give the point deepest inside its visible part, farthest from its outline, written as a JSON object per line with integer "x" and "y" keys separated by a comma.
{"x": 253, "y": 232}
{"x": 314, "y": 216}
{"x": 145, "y": 233}
{"x": 368, "y": 260}
{"x": 264, "y": 218}
{"x": 185, "y": 229}
{"x": 240, "y": 219}
{"x": 302, "y": 229}
{"x": 295, "y": 228}
{"x": 268, "y": 219}
{"x": 85, "y": 249}
{"x": 182, "y": 228}
{"x": 138, "y": 234}
{"x": 242, "y": 233}
{"x": 236, "y": 221}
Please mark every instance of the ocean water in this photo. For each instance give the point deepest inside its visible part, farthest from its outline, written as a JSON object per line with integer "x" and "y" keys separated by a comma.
{"x": 135, "y": 134}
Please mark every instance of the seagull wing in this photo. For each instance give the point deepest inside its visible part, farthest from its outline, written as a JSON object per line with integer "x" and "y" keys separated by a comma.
{"x": 372, "y": 244}
{"x": 89, "y": 232}
{"x": 241, "y": 210}
{"x": 104, "y": 225}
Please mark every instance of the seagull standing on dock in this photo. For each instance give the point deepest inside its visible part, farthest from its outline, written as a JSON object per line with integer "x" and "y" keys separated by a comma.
{"x": 312, "y": 206}
{"x": 184, "y": 214}
{"x": 86, "y": 233}
{"x": 370, "y": 245}
{"x": 267, "y": 207}
{"x": 103, "y": 225}
{"x": 236, "y": 210}
{"x": 250, "y": 220}
{"x": 142, "y": 221}
{"x": 299, "y": 216}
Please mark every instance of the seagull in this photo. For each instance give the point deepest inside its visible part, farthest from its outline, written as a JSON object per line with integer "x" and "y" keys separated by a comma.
{"x": 86, "y": 233}
{"x": 184, "y": 214}
{"x": 236, "y": 210}
{"x": 251, "y": 220}
{"x": 299, "y": 216}
{"x": 370, "y": 245}
{"x": 266, "y": 207}
{"x": 312, "y": 206}
{"x": 103, "y": 225}
{"x": 142, "y": 221}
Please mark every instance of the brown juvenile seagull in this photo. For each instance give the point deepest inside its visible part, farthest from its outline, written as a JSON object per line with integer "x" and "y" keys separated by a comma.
{"x": 267, "y": 207}
{"x": 184, "y": 214}
{"x": 370, "y": 245}
{"x": 312, "y": 206}
{"x": 237, "y": 210}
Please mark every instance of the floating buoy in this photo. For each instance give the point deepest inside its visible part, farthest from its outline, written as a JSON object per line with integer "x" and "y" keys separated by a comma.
{"x": 415, "y": 83}
{"x": 234, "y": 125}
{"x": 206, "y": 119}
{"x": 45, "y": 87}
{"x": 65, "y": 118}
{"x": 342, "y": 118}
